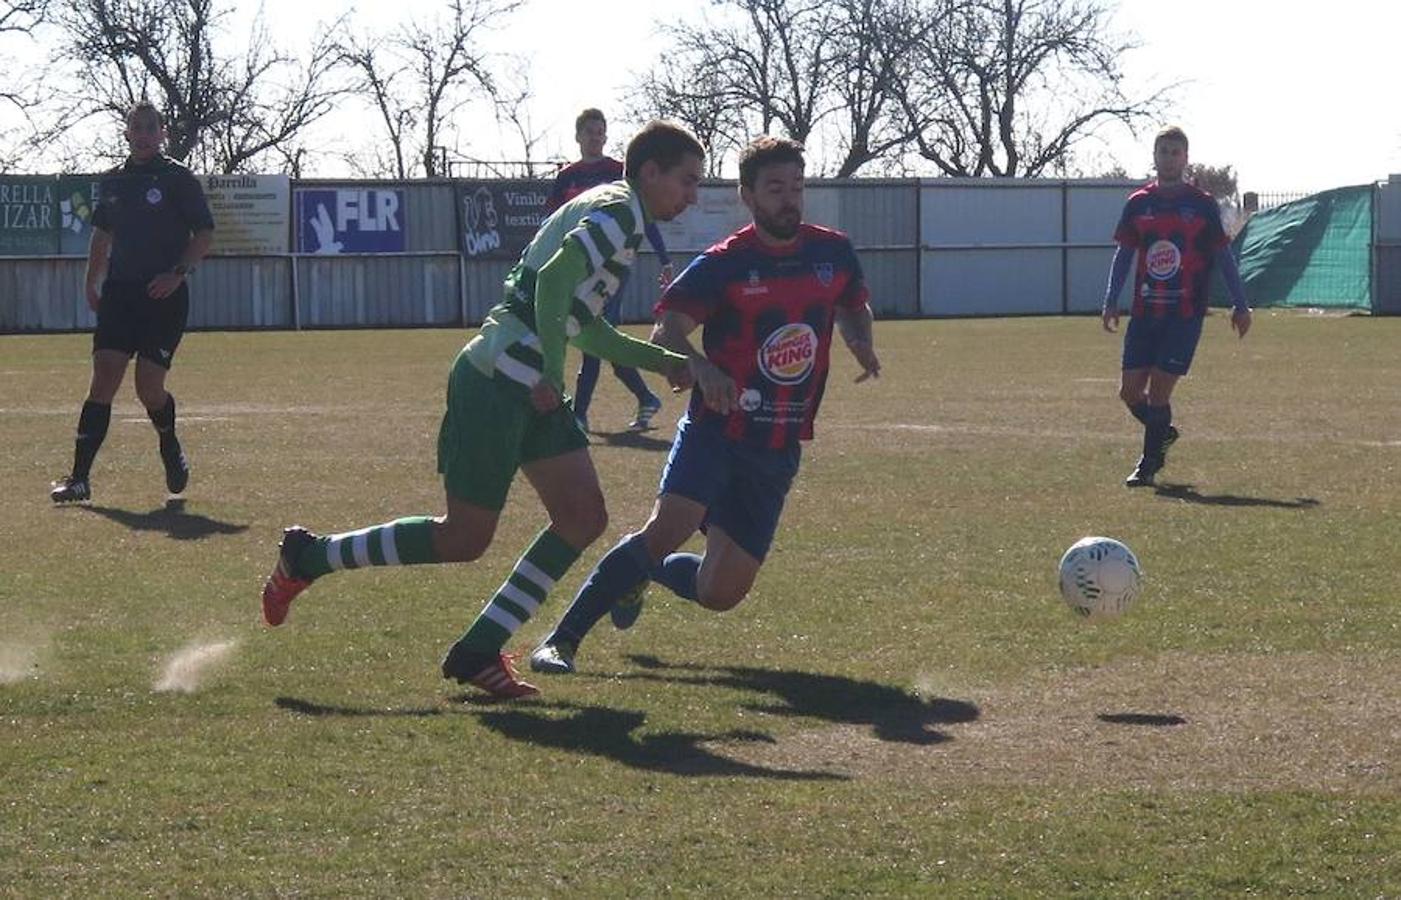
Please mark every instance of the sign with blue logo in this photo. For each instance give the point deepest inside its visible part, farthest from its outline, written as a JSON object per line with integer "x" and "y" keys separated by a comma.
{"x": 350, "y": 220}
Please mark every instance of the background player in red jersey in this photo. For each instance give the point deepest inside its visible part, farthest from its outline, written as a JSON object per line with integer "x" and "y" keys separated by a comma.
{"x": 1174, "y": 231}
{"x": 589, "y": 171}
{"x": 768, "y": 296}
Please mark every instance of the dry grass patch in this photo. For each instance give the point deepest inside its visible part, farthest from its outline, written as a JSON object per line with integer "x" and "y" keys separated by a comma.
{"x": 1187, "y": 722}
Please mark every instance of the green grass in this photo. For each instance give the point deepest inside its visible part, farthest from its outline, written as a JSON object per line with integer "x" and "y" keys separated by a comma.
{"x": 902, "y": 707}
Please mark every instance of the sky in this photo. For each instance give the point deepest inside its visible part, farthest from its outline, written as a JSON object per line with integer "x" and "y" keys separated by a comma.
{"x": 1294, "y": 101}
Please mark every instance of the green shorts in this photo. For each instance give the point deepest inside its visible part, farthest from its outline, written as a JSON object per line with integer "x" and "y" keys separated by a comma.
{"x": 490, "y": 430}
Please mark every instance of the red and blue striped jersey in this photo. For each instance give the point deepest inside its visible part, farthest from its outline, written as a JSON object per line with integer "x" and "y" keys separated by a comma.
{"x": 1177, "y": 232}
{"x": 577, "y": 177}
{"x": 767, "y": 314}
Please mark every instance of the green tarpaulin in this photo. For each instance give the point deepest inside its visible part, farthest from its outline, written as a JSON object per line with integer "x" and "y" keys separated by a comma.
{"x": 1312, "y": 252}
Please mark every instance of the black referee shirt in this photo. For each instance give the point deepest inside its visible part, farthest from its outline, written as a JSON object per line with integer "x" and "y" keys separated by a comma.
{"x": 151, "y": 209}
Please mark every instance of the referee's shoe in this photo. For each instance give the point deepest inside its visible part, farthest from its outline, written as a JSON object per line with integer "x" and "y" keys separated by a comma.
{"x": 177, "y": 468}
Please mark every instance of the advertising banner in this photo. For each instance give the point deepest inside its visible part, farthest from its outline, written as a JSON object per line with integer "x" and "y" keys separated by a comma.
{"x": 250, "y": 213}
{"x": 350, "y": 220}
{"x": 77, "y": 195}
{"x": 500, "y": 217}
{"x": 28, "y": 216}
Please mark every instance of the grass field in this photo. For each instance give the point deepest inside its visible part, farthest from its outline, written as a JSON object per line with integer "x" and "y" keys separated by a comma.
{"x": 903, "y": 706}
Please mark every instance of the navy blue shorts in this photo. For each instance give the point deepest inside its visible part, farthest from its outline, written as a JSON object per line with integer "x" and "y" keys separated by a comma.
{"x": 1166, "y": 342}
{"x": 130, "y": 322}
{"x": 741, "y": 486}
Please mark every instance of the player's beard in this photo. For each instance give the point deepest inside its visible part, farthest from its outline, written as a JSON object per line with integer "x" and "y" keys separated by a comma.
{"x": 782, "y": 225}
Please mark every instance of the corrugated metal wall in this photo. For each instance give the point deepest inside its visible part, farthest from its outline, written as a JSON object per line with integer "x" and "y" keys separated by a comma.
{"x": 1386, "y": 259}
{"x": 934, "y": 247}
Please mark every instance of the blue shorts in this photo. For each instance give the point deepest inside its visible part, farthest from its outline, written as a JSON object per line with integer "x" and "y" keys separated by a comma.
{"x": 741, "y": 486}
{"x": 1166, "y": 342}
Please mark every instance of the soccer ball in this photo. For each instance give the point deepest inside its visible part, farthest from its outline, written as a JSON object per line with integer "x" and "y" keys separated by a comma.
{"x": 1099, "y": 577}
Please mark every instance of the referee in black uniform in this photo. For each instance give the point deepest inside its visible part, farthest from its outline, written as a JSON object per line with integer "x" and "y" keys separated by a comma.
{"x": 151, "y": 225}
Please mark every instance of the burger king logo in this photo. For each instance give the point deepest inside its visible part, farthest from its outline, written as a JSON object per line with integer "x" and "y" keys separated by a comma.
{"x": 789, "y": 354}
{"x": 1164, "y": 260}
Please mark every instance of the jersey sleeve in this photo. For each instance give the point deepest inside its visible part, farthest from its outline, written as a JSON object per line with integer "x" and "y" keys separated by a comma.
{"x": 854, "y": 295}
{"x": 696, "y": 292}
{"x": 102, "y": 209}
{"x": 557, "y": 198}
{"x": 1216, "y": 231}
{"x": 1126, "y": 232}
{"x": 194, "y": 207}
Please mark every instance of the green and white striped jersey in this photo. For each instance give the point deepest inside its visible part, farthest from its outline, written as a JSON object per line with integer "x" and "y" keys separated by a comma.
{"x": 602, "y": 228}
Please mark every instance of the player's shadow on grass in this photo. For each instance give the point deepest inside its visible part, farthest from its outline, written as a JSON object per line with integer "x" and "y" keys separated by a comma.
{"x": 610, "y": 733}
{"x": 1190, "y": 494}
{"x": 1154, "y": 720}
{"x": 892, "y": 713}
{"x": 310, "y": 708}
{"x": 171, "y": 519}
{"x": 638, "y": 440}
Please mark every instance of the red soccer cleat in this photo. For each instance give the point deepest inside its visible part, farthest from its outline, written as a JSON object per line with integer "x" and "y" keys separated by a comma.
{"x": 282, "y": 587}
{"x": 496, "y": 675}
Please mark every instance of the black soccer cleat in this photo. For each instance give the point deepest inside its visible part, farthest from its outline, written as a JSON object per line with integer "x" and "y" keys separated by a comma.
{"x": 1169, "y": 439}
{"x": 177, "y": 468}
{"x": 70, "y": 490}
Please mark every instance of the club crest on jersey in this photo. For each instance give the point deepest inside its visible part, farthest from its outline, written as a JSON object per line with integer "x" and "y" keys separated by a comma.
{"x": 825, "y": 273}
{"x": 1163, "y": 260}
{"x": 153, "y": 196}
{"x": 789, "y": 354}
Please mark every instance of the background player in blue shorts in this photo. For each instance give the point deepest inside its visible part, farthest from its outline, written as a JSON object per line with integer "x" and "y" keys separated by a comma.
{"x": 768, "y": 296}
{"x": 590, "y": 170}
{"x": 1174, "y": 230}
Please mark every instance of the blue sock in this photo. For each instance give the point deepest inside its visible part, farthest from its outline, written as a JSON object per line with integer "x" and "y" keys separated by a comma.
{"x": 583, "y": 388}
{"x": 621, "y": 569}
{"x": 678, "y": 572}
{"x": 1140, "y": 411}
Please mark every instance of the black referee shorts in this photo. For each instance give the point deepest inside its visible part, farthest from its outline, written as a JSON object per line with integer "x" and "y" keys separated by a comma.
{"x": 130, "y": 322}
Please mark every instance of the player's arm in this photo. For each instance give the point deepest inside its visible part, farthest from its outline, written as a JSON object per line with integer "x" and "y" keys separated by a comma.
{"x": 1240, "y": 310}
{"x": 1118, "y": 274}
{"x": 857, "y": 329}
{"x": 99, "y": 250}
{"x": 599, "y": 338}
{"x": 672, "y": 331}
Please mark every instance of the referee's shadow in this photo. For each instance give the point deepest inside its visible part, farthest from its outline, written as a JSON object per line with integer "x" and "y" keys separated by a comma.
{"x": 1189, "y": 494}
{"x": 172, "y": 518}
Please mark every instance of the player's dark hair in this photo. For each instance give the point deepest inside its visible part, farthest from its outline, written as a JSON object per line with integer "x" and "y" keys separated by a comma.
{"x": 145, "y": 108}
{"x": 1171, "y": 133}
{"x": 766, "y": 151}
{"x": 589, "y": 115}
{"x": 665, "y": 142}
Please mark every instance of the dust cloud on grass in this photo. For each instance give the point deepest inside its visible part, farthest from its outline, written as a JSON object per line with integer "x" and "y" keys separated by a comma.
{"x": 192, "y": 666}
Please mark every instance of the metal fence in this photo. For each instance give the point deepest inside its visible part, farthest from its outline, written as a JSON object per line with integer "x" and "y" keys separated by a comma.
{"x": 929, "y": 247}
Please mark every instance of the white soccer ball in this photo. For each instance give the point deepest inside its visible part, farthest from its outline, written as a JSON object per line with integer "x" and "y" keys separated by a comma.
{"x": 1100, "y": 577}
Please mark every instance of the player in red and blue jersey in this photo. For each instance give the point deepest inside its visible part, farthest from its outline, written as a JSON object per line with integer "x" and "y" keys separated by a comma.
{"x": 768, "y": 297}
{"x": 1174, "y": 231}
{"x": 591, "y": 170}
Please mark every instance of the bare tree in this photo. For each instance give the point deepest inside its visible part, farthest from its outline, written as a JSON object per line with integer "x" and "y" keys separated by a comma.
{"x": 794, "y": 67}
{"x": 19, "y": 18}
{"x": 695, "y": 97}
{"x": 223, "y": 112}
{"x": 1009, "y": 87}
{"x": 419, "y": 76}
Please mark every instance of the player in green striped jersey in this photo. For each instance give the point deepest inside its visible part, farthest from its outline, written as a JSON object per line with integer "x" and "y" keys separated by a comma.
{"x": 506, "y": 410}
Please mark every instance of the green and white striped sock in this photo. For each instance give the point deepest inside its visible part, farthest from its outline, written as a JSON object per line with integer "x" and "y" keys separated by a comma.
{"x": 403, "y": 542}
{"x": 544, "y": 563}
